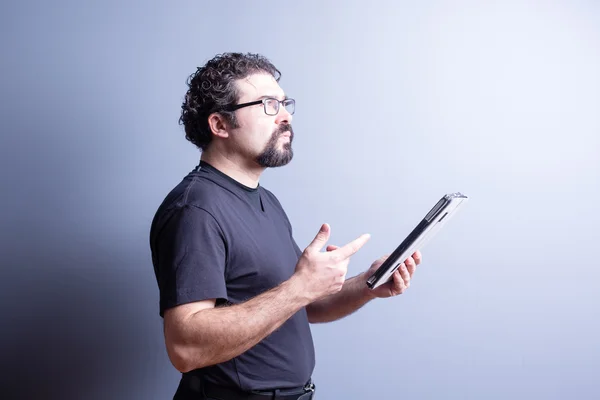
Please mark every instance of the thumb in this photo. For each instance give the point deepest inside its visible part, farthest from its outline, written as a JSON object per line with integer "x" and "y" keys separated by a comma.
{"x": 332, "y": 247}
{"x": 322, "y": 237}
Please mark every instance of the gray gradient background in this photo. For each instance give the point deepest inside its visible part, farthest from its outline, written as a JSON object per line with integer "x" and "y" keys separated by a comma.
{"x": 397, "y": 103}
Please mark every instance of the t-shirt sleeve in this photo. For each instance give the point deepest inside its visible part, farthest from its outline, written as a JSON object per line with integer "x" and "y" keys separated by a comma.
{"x": 190, "y": 258}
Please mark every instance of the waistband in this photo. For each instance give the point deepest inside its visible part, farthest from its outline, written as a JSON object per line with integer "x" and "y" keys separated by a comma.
{"x": 209, "y": 389}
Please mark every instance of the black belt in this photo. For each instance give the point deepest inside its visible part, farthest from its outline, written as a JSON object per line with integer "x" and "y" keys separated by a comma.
{"x": 221, "y": 392}
{"x": 211, "y": 390}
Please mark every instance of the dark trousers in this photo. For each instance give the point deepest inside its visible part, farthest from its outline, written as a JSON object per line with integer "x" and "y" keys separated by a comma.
{"x": 192, "y": 388}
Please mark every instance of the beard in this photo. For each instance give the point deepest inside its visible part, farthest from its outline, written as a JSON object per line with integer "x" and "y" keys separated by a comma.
{"x": 271, "y": 156}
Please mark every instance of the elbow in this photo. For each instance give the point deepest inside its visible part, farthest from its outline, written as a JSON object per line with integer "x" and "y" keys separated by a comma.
{"x": 178, "y": 357}
{"x": 183, "y": 358}
{"x": 185, "y": 349}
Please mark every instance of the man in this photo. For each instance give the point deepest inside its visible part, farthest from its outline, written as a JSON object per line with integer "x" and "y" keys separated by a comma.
{"x": 237, "y": 294}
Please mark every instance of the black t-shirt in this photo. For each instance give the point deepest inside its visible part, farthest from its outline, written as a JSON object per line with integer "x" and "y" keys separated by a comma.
{"x": 213, "y": 237}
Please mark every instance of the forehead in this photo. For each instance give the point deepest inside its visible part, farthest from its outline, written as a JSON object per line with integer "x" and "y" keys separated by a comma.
{"x": 257, "y": 85}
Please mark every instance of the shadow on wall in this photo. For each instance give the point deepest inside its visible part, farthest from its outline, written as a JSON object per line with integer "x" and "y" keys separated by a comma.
{"x": 78, "y": 298}
{"x": 79, "y": 325}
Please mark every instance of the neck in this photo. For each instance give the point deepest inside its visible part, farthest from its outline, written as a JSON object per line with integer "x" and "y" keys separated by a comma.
{"x": 234, "y": 167}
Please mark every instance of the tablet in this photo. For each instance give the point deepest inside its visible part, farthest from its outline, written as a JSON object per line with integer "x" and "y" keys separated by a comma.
{"x": 435, "y": 219}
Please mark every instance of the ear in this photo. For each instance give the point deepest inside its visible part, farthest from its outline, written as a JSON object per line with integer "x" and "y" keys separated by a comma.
{"x": 218, "y": 125}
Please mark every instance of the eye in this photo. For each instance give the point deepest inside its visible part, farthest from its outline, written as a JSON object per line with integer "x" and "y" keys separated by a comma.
{"x": 289, "y": 105}
{"x": 271, "y": 105}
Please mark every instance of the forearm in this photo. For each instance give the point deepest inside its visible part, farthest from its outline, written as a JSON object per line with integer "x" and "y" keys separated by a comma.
{"x": 353, "y": 296}
{"x": 215, "y": 335}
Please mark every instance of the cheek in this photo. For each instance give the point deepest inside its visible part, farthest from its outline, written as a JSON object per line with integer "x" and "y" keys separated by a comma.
{"x": 262, "y": 134}
{"x": 252, "y": 142}
{"x": 256, "y": 135}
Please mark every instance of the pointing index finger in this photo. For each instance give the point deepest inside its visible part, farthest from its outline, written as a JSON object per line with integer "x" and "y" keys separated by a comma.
{"x": 351, "y": 248}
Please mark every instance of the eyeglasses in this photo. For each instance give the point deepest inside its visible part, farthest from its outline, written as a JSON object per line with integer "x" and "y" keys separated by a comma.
{"x": 270, "y": 104}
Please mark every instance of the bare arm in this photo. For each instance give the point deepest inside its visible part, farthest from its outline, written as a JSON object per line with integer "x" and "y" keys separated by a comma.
{"x": 355, "y": 293}
{"x": 353, "y": 296}
{"x": 198, "y": 334}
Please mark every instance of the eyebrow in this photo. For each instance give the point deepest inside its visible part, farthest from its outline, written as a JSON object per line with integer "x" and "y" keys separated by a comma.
{"x": 272, "y": 96}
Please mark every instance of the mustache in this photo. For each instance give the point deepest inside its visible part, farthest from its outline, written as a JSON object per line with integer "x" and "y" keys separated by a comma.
{"x": 283, "y": 128}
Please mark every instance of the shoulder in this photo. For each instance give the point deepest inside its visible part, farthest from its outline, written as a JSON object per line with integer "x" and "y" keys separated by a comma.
{"x": 192, "y": 200}
{"x": 194, "y": 191}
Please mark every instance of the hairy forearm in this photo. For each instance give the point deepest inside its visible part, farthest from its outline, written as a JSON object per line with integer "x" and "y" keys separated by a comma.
{"x": 353, "y": 296}
{"x": 215, "y": 335}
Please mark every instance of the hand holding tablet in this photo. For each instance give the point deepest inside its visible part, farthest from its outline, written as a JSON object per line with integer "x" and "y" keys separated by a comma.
{"x": 433, "y": 221}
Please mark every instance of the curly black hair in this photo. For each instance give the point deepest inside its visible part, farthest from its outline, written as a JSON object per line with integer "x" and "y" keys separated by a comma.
{"x": 212, "y": 87}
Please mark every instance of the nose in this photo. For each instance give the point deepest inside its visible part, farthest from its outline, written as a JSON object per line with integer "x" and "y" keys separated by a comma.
{"x": 283, "y": 116}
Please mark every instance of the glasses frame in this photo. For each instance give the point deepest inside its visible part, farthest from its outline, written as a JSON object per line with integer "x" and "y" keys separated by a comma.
{"x": 234, "y": 107}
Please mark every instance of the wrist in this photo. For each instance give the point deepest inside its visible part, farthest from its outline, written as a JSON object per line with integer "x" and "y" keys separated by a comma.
{"x": 365, "y": 292}
{"x": 297, "y": 290}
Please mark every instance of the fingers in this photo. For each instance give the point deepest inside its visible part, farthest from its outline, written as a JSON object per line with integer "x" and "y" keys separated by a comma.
{"x": 319, "y": 241}
{"x": 410, "y": 266}
{"x": 352, "y": 247}
{"x": 398, "y": 286}
{"x": 417, "y": 257}
{"x": 403, "y": 270}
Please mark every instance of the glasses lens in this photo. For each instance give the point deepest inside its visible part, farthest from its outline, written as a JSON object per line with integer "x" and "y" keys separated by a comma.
{"x": 290, "y": 105}
{"x": 271, "y": 106}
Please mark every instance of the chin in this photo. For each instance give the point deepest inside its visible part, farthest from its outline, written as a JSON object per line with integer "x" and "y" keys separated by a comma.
{"x": 276, "y": 159}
